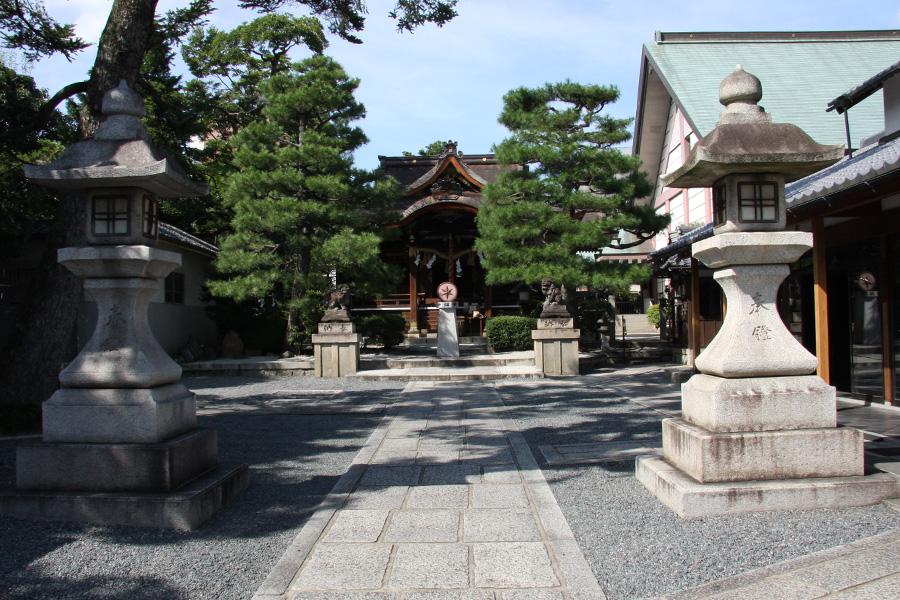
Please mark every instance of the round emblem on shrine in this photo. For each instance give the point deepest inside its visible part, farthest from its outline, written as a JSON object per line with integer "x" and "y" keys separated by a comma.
{"x": 447, "y": 292}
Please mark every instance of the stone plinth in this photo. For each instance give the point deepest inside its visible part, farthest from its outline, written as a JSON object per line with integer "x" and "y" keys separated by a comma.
{"x": 762, "y": 455}
{"x": 448, "y": 332}
{"x": 556, "y": 345}
{"x": 689, "y": 498}
{"x": 113, "y": 416}
{"x": 336, "y": 350}
{"x": 160, "y": 467}
{"x": 758, "y": 403}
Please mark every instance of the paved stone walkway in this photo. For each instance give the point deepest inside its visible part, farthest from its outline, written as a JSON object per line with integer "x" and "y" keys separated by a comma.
{"x": 444, "y": 502}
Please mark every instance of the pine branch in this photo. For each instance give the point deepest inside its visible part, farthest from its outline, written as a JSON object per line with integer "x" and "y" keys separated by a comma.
{"x": 46, "y": 110}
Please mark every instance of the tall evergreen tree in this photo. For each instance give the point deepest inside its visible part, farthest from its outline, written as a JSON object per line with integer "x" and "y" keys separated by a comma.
{"x": 29, "y": 363}
{"x": 574, "y": 197}
{"x": 301, "y": 211}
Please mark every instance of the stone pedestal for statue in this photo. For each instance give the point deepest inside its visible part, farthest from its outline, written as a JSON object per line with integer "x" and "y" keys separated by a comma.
{"x": 758, "y": 431}
{"x": 556, "y": 345}
{"x": 336, "y": 349}
{"x": 120, "y": 442}
{"x": 448, "y": 332}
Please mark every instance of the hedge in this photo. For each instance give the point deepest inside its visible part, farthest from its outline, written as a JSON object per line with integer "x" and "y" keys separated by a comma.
{"x": 510, "y": 333}
{"x": 385, "y": 330}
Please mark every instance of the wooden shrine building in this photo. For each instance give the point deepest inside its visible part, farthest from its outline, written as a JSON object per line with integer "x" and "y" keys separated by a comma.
{"x": 437, "y": 218}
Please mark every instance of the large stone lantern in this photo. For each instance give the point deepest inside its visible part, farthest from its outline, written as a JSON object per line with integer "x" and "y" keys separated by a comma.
{"x": 120, "y": 439}
{"x": 758, "y": 429}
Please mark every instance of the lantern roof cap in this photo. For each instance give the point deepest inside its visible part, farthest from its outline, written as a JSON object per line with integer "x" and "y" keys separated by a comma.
{"x": 746, "y": 141}
{"x": 120, "y": 154}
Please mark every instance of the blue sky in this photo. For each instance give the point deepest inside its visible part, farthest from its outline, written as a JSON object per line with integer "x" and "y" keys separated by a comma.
{"x": 448, "y": 83}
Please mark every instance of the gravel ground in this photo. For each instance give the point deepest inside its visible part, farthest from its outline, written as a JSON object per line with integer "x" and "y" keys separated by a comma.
{"x": 637, "y": 547}
{"x": 295, "y": 458}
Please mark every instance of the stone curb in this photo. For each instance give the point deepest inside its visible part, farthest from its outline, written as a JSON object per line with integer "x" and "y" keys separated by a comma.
{"x": 745, "y": 579}
{"x": 280, "y": 576}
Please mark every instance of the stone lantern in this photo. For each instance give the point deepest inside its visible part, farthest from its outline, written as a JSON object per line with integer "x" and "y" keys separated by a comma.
{"x": 758, "y": 429}
{"x": 120, "y": 439}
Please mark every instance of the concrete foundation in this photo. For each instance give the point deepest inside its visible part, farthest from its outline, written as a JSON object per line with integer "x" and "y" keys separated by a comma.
{"x": 185, "y": 508}
{"x": 336, "y": 350}
{"x": 688, "y": 498}
{"x": 764, "y": 455}
{"x": 159, "y": 467}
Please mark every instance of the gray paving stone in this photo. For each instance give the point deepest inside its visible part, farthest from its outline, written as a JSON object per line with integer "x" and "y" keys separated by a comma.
{"x": 500, "y": 525}
{"x": 423, "y": 526}
{"x": 357, "y": 526}
{"x": 332, "y": 595}
{"x": 852, "y": 570}
{"x": 439, "y": 496}
{"x": 394, "y": 458}
{"x": 431, "y": 566}
{"x": 513, "y": 565}
{"x": 889, "y": 587}
{"x": 501, "y": 474}
{"x": 344, "y": 567}
{"x": 451, "y": 474}
{"x": 783, "y": 588}
{"x": 371, "y": 498}
{"x": 400, "y": 445}
{"x": 499, "y": 495}
{"x": 479, "y": 456}
{"x": 448, "y": 595}
{"x": 554, "y": 522}
{"x": 533, "y": 595}
{"x": 388, "y": 475}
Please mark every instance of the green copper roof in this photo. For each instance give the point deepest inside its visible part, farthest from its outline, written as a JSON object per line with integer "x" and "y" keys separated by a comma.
{"x": 799, "y": 78}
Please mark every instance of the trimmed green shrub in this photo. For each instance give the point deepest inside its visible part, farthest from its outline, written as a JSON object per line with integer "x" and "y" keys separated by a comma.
{"x": 653, "y": 315}
{"x": 510, "y": 333}
{"x": 385, "y": 330}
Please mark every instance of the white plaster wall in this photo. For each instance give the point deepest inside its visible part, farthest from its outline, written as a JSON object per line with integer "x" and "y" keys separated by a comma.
{"x": 697, "y": 205}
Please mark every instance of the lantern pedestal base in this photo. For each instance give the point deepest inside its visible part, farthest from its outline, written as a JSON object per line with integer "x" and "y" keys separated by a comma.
{"x": 688, "y": 498}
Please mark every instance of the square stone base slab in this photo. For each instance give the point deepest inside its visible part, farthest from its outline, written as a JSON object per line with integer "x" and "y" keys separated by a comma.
{"x": 185, "y": 508}
{"x": 689, "y": 499}
{"x": 335, "y": 354}
{"x": 758, "y": 403}
{"x": 116, "y": 467}
{"x": 556, "y": 351}
{"x": 762, "y": 455}
{"x": 118, "y": 415}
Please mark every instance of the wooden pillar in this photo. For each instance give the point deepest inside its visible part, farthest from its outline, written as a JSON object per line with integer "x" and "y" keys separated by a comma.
{"x": 820, "y": 296}
{"x": 413, "y": 318}
{"x": 884, "y": 297}
{"x": 695, "y": 333}
{"x": 488, "y": 301}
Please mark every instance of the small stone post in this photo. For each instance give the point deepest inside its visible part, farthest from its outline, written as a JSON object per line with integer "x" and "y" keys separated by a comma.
{"x": 336, "y": 346}
{"x": 556, "y": 339}
{"x": 120, "y": 438}
{"x": 758, "y": 429}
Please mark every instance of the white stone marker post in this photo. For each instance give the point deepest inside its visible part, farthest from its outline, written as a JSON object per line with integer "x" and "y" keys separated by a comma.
{"x": 758, "y": 430}
{"x": 448, "y": 333}
{"x": 120, "y": 439}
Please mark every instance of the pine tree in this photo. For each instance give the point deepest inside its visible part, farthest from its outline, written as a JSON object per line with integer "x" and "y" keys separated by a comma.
{"x": 301, "y": 211}
{"x": 572, "y": 199}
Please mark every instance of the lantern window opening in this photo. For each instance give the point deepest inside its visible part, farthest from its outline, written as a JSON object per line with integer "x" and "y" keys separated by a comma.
{"x": 110, "y": 215}
{"x": 719, "y": 195}
{"x": 151, "y": 216}
{"x": 757, "y": 202}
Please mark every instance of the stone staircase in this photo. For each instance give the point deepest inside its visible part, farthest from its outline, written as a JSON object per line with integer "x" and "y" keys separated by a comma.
{"x": 481, "y": 367}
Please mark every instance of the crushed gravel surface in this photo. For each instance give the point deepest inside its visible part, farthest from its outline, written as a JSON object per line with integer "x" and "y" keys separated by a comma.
{"x": 637, "y": 547}
{"x": 296, "y": 455}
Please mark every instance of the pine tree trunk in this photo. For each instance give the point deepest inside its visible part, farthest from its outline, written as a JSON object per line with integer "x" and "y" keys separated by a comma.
{"x": 31, "y": 359}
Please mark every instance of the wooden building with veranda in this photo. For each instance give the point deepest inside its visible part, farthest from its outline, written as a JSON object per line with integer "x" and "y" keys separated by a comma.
{"x": 436, "y": 218}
